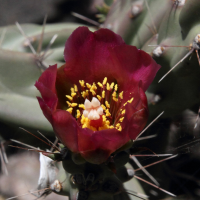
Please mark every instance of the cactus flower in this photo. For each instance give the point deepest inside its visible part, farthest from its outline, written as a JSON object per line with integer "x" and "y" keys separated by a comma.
{"x": 96, "y": 101}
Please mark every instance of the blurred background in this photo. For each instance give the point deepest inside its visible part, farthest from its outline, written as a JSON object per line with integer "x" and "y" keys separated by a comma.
{"x": 174, "y": 132}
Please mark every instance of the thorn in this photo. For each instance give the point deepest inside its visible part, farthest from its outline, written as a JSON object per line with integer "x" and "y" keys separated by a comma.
{"x": 42, "y": 35}
{"x": 53, "y": 146}
{"x": 155, "y": 186}
{"x": 149, "y": 125}
{"x": 156, "y": 162}
{"x": 152, "y": 155}
{"x": 147, "y": 137}
{"x": 144, "y": 170}
{"x": 85, "y": 19}
{"x": 48, "y": 47}
{"x": 27, "y": 145}
{"x": 35, "y": 136}
{"x": 177, "y": 64}
{"x": 29, "y": 43}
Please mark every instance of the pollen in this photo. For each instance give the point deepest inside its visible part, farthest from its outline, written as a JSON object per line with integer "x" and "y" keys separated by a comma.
{"x": 131, "y": 100}
{"x": 73, "y": 94}
{"x": 75, "y": 88}
{"x": 81, "y": 106}
{"x": 103, "y": 94}
{"x": 70, "y": 110}
{"x": 107, "y": 104}
{"x": 99, "y": 97}
{"x": 97, "y": 106}
{"x": 82, "y": 83}
{"x": 121, "y": 95}
{"x": 100, "y": 85}
{"x": 69, "y": 97}
{"x": 104, "y": 80}
{"x": 112, "y": 85}
{"x": 107, "y": 86}
{"x": 78, "y": 114}
{"x": 74, "y": 104}
{"x": 88, "y": 85}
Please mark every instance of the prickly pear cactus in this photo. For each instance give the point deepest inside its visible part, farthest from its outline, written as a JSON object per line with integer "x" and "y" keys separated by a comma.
{"x": 170, "y": 32}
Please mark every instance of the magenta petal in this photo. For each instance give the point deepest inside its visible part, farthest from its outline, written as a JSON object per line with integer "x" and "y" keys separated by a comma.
{"x": 45, "y": 109}
{"x": 110, "y": 139}
{"x": 138, "y": 64}
{"x": 136, "y": 115}
{"x": 48, "y": 78}
{"x": 66, "y": 129}
{"x": 87, "y": 55}
{"x": 96, "y": 147}
{"x": 48, "y": 96}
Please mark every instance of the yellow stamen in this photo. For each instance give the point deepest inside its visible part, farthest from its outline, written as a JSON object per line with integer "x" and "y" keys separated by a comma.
{"x": 68, "y": 103}
{"x": 73, "y": 94}
{"x": 118, "y": 125}
{"x": 115, "y": 99}
{"x": 130, "y": 101}
{"x": 78, "y": 114}
{"x": 103, "y": 94}
{"x": 120, "y": 128}
{"x": 107, "y": 113}
{"x": 88, "y": 85}
{"x": 121, "y": 95}
{"x": 123, "y": 112}
{"x": 104, "y": 108}
{"x": 75, "y": 88}
{"x": 125, "y": 104}
{"x": 93, "y": 92}
{"x": 112, "y": 85}
{"x": 116, "y": 87}
{"x": 121, "y": 119}
{"x": 82, "y": 83}
{"x": 107, "y": 104}
{"x": 94, "y": 87}
{"x": 81, "y": 106}
{"x": 99, "y": 97}
{"x": 107, "y": 122}
{"x": 74, "y": 104}
{"x": 100, "y": 85}
{"x": 70, "y": 110}
{"x": 107, "y": 86}
{"x": 104, "y": 118}
{"x": 72, "y": 90}
{"x": 104, "y": 80}
{"x": 69, "y": 97}
{"x": 114, "y": 94}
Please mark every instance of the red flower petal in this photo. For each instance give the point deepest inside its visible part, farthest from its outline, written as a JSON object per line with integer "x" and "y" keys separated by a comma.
{"x": 66, "y": 129}
{"x": 45, "y": 109}
{"x": 101, "y": 144}
{"x": 48, "y": 78}
{"x": 136, "y": 63}
{"x": 46, "y": 86}
{"x": 136, "y": 114}
{"x": 48, "y": 96}
{"x": 87, "y": 55}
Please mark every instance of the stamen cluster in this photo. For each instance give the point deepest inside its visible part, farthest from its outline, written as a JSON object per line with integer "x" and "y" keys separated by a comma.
{"x": 104, "y": 111}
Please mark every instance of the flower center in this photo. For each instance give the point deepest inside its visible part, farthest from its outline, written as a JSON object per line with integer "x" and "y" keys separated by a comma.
{"x": 104, "y": 111}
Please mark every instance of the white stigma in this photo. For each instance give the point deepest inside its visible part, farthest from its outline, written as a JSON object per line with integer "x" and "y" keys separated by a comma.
{"x": 93, "y": 109}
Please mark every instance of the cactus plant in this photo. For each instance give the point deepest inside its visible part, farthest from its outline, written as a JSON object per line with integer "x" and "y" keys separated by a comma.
{"x": 169, "y": 32}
